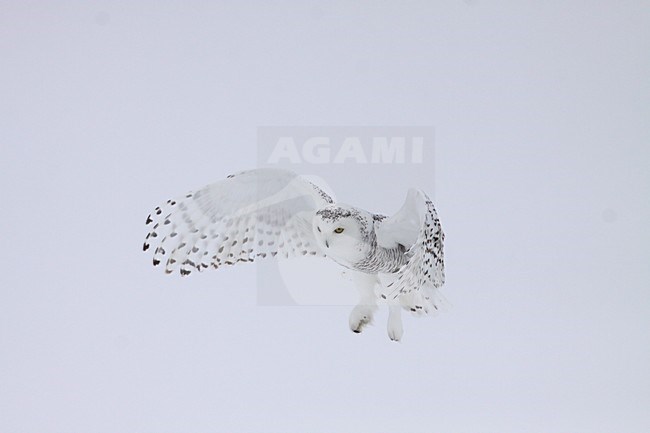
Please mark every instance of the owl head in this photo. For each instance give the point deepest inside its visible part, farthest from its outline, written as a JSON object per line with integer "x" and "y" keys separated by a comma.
{"x": 343, "y": 233}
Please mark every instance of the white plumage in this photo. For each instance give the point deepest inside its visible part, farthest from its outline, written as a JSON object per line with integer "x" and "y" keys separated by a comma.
{"x": 268, "y": 212}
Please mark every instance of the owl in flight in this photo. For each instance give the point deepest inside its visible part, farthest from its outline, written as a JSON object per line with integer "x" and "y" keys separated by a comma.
{"x": 273, "y": 212}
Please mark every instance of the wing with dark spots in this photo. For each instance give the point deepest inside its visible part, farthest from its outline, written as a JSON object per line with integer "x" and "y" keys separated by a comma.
{"x": 257, "y": 213}
{"x": 417, "y": 227}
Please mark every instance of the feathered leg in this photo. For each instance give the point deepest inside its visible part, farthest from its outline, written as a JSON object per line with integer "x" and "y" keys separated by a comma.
{"x": 362, "y": 314}
{"x": 395, "y": 329}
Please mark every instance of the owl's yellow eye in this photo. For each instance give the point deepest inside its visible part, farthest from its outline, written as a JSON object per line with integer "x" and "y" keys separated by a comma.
{"x": 338, "y": 230}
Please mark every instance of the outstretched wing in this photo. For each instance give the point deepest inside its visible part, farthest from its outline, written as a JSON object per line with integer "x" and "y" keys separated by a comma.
{"x": 416, "y": 226}
{"x": 256, "y": 213}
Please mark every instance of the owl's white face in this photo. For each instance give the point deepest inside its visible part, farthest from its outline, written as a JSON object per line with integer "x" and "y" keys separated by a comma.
{"x": 339, "y": 234}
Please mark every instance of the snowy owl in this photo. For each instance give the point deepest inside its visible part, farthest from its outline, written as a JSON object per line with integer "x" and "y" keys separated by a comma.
{"x": 274, "y": 212}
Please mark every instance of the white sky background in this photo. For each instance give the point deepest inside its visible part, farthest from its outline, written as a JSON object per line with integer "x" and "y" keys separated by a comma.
{"x": 541, "y": 113}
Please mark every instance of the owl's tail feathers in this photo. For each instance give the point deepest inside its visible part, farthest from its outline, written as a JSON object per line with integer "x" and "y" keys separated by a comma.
{"x": 428, "y": 301}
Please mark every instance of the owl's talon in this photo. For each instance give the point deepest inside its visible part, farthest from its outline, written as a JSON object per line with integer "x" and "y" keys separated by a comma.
{"x": 360, "y": 317}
